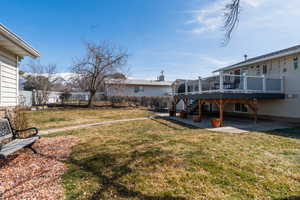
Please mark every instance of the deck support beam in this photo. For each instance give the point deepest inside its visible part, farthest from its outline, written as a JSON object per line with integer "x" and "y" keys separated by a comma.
{"x": 200, "y": 103}
{"x": 186, "y": 102}
{"x": 221, "y": 110}
{"x": 174, "y": 104}
{"x": 252, "y": 104}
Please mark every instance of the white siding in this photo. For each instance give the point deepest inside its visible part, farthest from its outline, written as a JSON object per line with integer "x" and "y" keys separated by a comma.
{"x": 8, "y": 85}
{"x": 7, "y": 57}
{"x": 148, "y": 91}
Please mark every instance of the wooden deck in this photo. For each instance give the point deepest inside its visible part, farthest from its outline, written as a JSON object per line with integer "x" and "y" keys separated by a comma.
{"x": 221, "y": 99}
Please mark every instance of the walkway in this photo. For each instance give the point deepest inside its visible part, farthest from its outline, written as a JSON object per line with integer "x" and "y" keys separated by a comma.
{"x": 69, "y": 128}
{"x": 230, "y": 126}
{"x": 234, "y": 125}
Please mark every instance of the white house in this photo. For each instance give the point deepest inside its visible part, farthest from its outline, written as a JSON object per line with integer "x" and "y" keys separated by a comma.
{"x": 12, "y": 49}
{"x": 267, "y": 86}
{"x": 139, "y": 88}
{"x": 146, "y": 88}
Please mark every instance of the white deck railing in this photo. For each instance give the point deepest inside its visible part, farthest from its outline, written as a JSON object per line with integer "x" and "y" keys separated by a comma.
{"x": 233, "y": 83}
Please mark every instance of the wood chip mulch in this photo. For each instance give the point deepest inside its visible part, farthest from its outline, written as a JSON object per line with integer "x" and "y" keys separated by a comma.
{"x": 25, "y": 175}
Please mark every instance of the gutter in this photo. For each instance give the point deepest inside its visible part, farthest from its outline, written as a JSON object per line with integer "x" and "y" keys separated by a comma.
{"x": 18, "y": 41}
{"x": 258, "y": 60}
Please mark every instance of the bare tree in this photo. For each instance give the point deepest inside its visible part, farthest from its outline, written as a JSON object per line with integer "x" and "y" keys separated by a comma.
{"x": 41, "y": 80}
{"x": 231, "y": 18}
{"x": 99, "y": 64}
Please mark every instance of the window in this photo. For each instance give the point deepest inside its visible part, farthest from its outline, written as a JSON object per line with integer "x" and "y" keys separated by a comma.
{"x": 244, "y": 72}
{"x": 138, "y": 89}
{"x": 284, "y": 70}
{"x": 265, "y": 69}
{"x": 240, "y": 107}
{"x": 257, "y": 70}
{"x": 296, "y": 63}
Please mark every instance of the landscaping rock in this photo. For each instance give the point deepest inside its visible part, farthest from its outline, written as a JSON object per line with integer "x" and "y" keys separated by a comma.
{"x": 36, "y": 176}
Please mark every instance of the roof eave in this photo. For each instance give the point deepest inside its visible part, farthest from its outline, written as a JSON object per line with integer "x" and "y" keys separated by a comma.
{"x": 12, "y": 37}
{"x": 257, "y": 61}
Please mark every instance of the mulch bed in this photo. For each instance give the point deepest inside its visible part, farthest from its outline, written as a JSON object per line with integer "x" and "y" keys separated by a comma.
{"x": 36, "y": 176}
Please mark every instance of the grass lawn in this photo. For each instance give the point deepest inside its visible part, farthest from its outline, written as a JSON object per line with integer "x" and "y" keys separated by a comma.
{"x": 161, "y": 160}
{"x": 55, "y": 118}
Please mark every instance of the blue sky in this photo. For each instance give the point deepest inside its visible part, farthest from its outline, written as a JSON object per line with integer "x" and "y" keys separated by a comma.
{"x": 181, "y": 37}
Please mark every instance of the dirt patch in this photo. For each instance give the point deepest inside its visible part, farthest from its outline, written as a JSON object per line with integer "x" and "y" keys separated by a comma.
{"x": 25, "y": 175}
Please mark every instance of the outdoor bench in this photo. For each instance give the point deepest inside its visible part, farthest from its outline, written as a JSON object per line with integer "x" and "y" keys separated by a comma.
{"x": 16, "y": 143}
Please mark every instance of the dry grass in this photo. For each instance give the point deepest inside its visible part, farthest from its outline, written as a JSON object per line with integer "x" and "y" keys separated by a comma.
{"x": 45, "y": 119}
{"x": 161, "y": 160}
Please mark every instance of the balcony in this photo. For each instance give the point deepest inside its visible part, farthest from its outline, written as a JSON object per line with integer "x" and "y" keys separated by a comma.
{"x": 228, "y": 83}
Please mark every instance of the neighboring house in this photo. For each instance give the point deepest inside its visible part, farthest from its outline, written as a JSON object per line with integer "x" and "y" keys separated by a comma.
{"x": 55, "y": 97}
{"x": 130, "y": 87}
{"x": 12, "y": 49}
{"x": 267, "y": 86}
{"x": 26, "y": 97}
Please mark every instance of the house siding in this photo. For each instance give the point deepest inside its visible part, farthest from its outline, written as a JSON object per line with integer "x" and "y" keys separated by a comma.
{"x": 8, "y": 85}
{"x": 129, "y": 90}
{"x": 285, "y": 108}
{"x": 9, "y": 75}
{"x": 8, "y": 58}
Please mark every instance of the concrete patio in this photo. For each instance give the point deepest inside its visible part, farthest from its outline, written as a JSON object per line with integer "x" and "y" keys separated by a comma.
{"x": 233, "y": 125}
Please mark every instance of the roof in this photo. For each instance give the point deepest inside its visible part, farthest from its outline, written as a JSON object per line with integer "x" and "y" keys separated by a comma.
{"x": 15, "y": 44}
{"x": 265, "y": 57}
{"x": 140, "y": 82}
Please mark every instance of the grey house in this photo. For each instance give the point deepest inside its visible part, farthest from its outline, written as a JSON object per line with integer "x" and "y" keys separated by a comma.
{"x": 266, "y": 86}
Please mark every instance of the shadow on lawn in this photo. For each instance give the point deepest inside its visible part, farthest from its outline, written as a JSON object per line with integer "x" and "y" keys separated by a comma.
{"x": 287, "y": 132}
{"x": 160, "y": 120}
{"x": 290, "y": 198}
{"x": 101, "y": 163}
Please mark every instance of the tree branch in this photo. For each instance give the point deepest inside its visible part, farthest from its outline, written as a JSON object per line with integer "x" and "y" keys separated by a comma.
{"x": 231, "y": 19}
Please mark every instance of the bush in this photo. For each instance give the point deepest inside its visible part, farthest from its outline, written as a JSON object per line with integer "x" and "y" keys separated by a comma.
{"x": 18, "y": 118}
{"x": 156, "y": 103}
{"x": 65, "y": 96}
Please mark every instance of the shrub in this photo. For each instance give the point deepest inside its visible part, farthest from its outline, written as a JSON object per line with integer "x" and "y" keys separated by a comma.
{"x": 18, "y": 118}
{"x": 156, "y": 103}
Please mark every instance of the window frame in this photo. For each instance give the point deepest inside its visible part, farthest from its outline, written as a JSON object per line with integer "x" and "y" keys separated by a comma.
{"x": 258, "y": 71}
{"x": 265, "y": 69}
{"x": 296, "y": 63}
{"x": 138, "y": 89}
{"x": 240, "y": 108}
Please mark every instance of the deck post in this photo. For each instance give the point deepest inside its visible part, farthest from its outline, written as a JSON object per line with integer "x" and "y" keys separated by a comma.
{"x": 221, "y": 82}
{"x": 253, "y": 105}
{"x": 221, "y": 109}
{"x": 199, "y": 85}
{"x": 176, "y": 101}
{"x": 186, "y": 87}
{"x": 245, "y": 83}
{"x": 200, "y": 108}
{"x": 264, "y": 83}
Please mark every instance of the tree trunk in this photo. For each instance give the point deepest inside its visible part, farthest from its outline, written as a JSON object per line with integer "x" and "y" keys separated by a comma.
{"x": 91, "y": 99}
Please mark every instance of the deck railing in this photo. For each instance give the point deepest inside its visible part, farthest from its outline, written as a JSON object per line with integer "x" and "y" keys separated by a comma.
{"x": 233, "y": 83}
